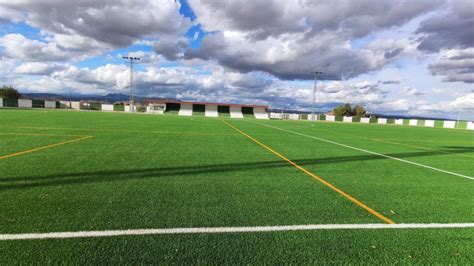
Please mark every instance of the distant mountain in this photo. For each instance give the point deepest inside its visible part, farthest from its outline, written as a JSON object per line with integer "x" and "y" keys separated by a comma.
{"x": 109, "y": 98}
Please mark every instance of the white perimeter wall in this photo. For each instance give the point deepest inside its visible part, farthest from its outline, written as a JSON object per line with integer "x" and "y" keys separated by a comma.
{"x": 25, "y": 103}
{"x": 236, "y": 112}
{"x": 1, "y": 102}
{"x": 276, "y": 115}
{"x": 365, "y": 120}
{"x": 331, "y": 118}
{"x": 382, "y": 121}
{"x": 413, "y": 122}
{"x": 186, "y": 109}
{"x": 449, "y": 124}
{"x": 294, "y": 117}
{"x": 347, "y": 119}
{"x": 470, "y": 125}
{"x": 107, "y": 107}
{"x": 398, "y": 121}
{"x": 149, "y": 110}
{"x": 74, "y": 105}
{"x": 50, "y": 104}
{"x": 310, "y": 117}
{"x": 211, "y": 110}
{"x": 127, "y": 108}
{"x": 429, "y": 123}
{"x": 260, "y": 113}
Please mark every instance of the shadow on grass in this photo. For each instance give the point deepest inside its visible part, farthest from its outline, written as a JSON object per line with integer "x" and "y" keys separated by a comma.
{"x": 164, "y": 172}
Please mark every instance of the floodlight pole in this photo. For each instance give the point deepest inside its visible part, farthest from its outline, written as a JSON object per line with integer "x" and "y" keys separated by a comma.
{"x": 459, "y": 119}
{"x": 313, "y": 111}
{"x": 131, "y": 61}
{"x": 70, "y": 98}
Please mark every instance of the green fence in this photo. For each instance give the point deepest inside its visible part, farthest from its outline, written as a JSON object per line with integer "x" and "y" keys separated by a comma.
{"x": 37, "y": 103}
{"x": 10, "y": 102}
{"x": 462, "y": 124}
{"x": 95, "y": 106}
{"x": 438, "y": 123}
{"x": 119, "y": 107}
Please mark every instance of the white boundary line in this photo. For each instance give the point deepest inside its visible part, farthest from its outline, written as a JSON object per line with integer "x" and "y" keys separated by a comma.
{"x": 367, "y": 151}
{"x": 219, "y": 230}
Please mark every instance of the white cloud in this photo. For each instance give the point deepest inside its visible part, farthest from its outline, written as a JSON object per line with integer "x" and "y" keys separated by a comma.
{"x": 455, "y": 65}
{"x": 37, "y": 68}
{"x": 465, "y": 102}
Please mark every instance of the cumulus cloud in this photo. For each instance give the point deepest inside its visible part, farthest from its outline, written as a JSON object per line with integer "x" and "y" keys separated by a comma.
{"x": 262, "y": 19}
{"x": 455, "y": 65}
{"x": 118, "y": 23}
{"x": 36, "y": 68}
{"x": 453, "y": 29}
{"x": 410, "y": 91}
{"x": 396, "y": 106}
{"x": 290, "y": 56}
{"x": 171, "y": 48}
{"x": 465, "y": 102}
{"x": 74, "y": 28}
{"x": 289, "y": 39}
{"x": 19, "y": 47}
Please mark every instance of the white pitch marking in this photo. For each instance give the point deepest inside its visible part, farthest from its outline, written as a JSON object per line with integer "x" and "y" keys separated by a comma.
{"x": 219, "y": 230}
{"x": 367, "y": 151}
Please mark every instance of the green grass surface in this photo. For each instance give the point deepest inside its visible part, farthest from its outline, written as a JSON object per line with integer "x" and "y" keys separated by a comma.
{"x": 151, "y": 171}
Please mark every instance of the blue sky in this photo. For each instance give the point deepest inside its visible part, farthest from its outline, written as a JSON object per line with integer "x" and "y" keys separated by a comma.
{"x": 410, "y": 59}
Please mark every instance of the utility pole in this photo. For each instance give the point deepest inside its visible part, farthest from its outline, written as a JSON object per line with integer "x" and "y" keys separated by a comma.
{"x": 313, "y": 111}
{"x": 131, "y": 61}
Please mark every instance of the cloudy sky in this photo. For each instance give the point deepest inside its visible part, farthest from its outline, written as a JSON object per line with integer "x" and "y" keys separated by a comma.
{"x": 413, "y": 57}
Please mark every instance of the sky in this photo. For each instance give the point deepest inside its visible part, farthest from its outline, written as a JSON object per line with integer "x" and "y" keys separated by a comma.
{"x": 411, "y": 58}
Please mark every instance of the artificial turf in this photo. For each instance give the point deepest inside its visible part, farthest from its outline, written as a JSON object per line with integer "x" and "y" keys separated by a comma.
{"x": 165, "y": 171}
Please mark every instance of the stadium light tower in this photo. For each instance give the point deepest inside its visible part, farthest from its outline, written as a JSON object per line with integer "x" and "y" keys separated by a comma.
{"x": 70, "y": 98}
{"x": 316, "y": 74}
{"x": 131, "y": 61}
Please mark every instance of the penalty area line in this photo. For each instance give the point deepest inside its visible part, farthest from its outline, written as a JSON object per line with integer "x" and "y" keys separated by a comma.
{"x": 221, "y": 230}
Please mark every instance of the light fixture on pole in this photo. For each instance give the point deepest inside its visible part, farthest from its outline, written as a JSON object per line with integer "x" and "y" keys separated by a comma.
{"x": 313, "y": 111}
{"x": 131, "y": 60}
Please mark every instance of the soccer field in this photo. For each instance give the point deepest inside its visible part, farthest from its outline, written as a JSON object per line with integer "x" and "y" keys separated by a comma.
{"x": 96, "y": 187}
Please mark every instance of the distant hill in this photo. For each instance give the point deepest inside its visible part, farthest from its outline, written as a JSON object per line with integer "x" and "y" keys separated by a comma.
{"x": 109, "y": 98}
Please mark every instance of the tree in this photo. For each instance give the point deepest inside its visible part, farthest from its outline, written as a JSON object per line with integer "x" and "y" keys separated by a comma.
{"x": 9, "y": 92}
{"x": 359, "y": 111}
{"x": 343, "y": 110}
{"x": 346, "y": 110}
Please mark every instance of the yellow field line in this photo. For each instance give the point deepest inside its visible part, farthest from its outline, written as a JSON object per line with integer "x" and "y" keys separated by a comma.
{"x": 39, "y": 134}
{"x": 44, "y": 147}
{"x": 126, "y": 130}
{"x": 326, "y": 183}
